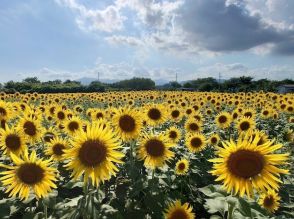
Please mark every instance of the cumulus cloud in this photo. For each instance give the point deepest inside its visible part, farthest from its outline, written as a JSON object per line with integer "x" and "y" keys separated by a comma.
{"x": 227, "y": 71}
{"x": 196, "y": 26}
{"x": 107, "y": 20}
{"x": 217, "y": 26}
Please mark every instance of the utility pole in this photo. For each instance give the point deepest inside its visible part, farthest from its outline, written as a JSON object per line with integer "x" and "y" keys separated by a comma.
{"x": 176, "y": 77}
{"x": 98, "y": 76}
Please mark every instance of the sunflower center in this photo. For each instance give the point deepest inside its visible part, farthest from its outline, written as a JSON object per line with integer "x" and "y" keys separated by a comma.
{"x": 3, "y": 111}
{"x": 181, "y": 166}
{"x": 196, "y": 142}
{"x": 92, "y": 153}
{"x": 222, "y": 119}
{"x": 188, "y": 111}
{"x": 213, "y": 140}
{"x": 30, "y": 128}
{"x": 179, "y": 214}
{"x": 248, "y": 114}
{"x": 48, "y": 136}
{"x": 268, "y": 201}
{"x": 244, "y": 126}
{"x": 127, "y": 123}
{"x": 265, "y": 112}
{"x": 154, "y": 114}
{"x": 155, "y": 148}
{"x": 73, "y": 126}
{"x": 175, "y": 113}
{"x": 58, "y": 149}
{"x": 193, "y": 127}
{"x": 173, "y": 134}
{"x": 61, "y": 115}
{"x": 245, "y": 164}
{"x": 13, "y": 142}
{"x": 30, "y": 173}
{"x": 99, "y": 115}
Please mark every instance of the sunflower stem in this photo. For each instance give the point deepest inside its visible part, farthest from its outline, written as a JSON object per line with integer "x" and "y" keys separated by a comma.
{"x": 45, "y": 210}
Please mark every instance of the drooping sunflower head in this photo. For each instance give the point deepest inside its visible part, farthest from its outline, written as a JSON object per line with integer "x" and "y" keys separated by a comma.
{"x": 154, "y": 150}
{"x": 182, "y": 167}
{"x": 176, "y": 210}
{"x": 174, "y": 134}
{"x": 269, "y": 200}
{"x": 245, "y": 124}
{"x": 223, "y": 120}
{"x": 94, "y": 154}
{"x": 56, "y": 148}
{"x": 155, "y": 114}
{"x": 195, "y": 142}
{"x": 214, "y": 139}
{"x": 50, "y": 134}
{"x": 244, "y": 166}
{"x": 128, "y": 123}
{"x": 12, "y": 141}
{"x": 29, "y": 173}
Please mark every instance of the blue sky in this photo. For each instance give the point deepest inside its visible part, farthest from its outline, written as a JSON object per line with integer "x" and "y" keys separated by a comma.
{"x": 72, "y": 39}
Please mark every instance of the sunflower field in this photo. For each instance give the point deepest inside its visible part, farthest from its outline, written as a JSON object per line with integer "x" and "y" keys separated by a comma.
{"x": 151, "y": 154}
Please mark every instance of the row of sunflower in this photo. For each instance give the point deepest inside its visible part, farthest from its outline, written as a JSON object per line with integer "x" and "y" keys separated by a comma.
{"x": 146, "y": 155}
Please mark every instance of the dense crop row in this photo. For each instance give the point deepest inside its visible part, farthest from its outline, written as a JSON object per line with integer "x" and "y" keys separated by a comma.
{"x": 174, "y": 155}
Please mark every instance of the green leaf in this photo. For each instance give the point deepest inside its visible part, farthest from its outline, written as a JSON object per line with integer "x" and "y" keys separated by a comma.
{"x": 4, "y": 210}
{"x": 216, "y": 205}
{"x": 244, "y": 208}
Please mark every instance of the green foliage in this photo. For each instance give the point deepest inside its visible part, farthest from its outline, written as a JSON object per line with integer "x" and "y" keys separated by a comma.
{"x": 135, "y": 84}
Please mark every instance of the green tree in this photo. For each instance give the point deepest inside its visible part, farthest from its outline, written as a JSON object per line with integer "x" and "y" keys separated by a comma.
{"x": 32, "y": 80}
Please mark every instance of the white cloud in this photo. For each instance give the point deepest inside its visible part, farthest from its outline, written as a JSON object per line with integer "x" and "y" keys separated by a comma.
{"x": 107, "y": 20}
{"x": 274, "y": 72}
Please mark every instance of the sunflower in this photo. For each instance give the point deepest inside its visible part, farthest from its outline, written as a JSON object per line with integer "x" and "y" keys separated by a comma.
{"x": 12, "y": 141}
{"x": 270, "y": 201}
{"x": 5, "y": 111}
{"x": 93, "y": 154}
{"x": 245, "y": 124}
{"x": 223, "y": 120}
{"x": 266, "y": 113}
{"x": 73, "y": 125}
{"x": 154, "y": 150}
{"x": 31, "y": 128}
{"x": 182, "y": 167}
{"x": 173, "y": 134}
{"x": 175, "y": 114}
{"x": 60, "y": 114}
{"x": 56, "y": 148}
{"x": 29, "y": 173}
{"x": 214, "y": 139}
{"x": 156, "y": 114}
{"x": 128, "y": 123}
{"x": 193, "y": 125}
{"x": 50, "y": 134}
{"x": 195, "y": 142}
{"x": 244, "y": 166}
{"x": 249, "y": 112}
{"x": 176, "y": 210}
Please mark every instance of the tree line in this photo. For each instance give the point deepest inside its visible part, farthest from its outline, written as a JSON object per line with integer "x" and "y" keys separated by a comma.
{"x": 239, "y": 84}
